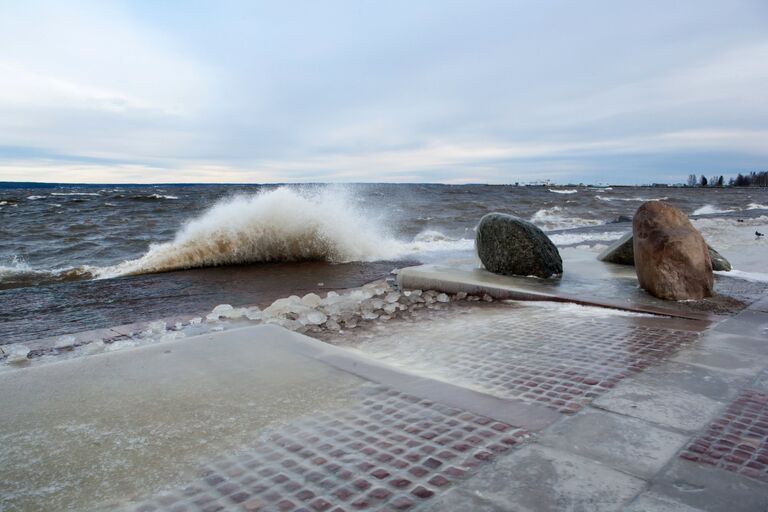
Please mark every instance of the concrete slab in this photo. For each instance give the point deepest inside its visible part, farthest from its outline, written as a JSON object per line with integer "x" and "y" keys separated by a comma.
{"x": 756, "y": 345}
{"x": 750, "y": 322}
{"x": 542, "y": 479}
{"x": 652, "y": 502}
{"x": 626, "y": 444}
{"x": 727, "y": 360}
{"x": 87, "y": 433}
{"x": 661, "y": 404}
{"x": 585, "y": 281}
{"x": 710, "y": 489}
{"x": 717, "y": 385}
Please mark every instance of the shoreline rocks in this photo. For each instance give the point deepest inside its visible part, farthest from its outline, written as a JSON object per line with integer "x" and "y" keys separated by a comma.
{"x": 622, "y": 252}
{"x": 509, "y": 245}
{"x": 671, "y": 257}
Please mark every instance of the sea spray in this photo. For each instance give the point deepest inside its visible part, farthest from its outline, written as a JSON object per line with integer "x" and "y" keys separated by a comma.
{"x": 277, "y": 225}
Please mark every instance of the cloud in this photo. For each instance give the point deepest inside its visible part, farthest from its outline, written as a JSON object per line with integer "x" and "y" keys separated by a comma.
{"x": 449, "y": 91}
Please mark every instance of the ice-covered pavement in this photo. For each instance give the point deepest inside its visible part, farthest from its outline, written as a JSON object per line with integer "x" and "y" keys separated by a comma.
{"x": 447, "y": 405}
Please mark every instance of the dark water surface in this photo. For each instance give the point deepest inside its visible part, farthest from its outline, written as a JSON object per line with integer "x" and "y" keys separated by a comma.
{"x": 84, "y": 257}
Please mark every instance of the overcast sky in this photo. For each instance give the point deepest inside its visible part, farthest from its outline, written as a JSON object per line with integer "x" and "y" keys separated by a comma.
{"x": 427, "y": 91}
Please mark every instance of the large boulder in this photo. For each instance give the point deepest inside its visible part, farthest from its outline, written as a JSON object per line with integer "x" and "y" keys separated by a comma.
{"x": 671, "y": 257}
{"x": 512, "y": 246}
{"x": 622, "y": 251}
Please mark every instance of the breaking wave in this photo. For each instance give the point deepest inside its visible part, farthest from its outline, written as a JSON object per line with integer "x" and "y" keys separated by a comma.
{"x": 564, "y": 191}
{"x": 556, "y": 218}
{"x": 279, "y": 225}
{"x": 709, "y": 209}
{"x": 628, "y": 199}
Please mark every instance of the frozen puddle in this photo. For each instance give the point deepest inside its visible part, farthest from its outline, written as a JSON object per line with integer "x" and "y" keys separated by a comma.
{"x": 100, "y": 431}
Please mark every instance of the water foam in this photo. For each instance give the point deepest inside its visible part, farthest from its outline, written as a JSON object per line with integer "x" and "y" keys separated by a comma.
{"x": 277, "y": 225}
{"x": 709, "y": 209}
{"x": 555, "y": 218}
{"x": 631, "y": 199}
{"x": 564, "y": 191}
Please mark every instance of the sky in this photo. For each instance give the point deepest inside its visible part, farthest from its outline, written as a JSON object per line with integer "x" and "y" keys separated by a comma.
{"x": 370, "y": 91}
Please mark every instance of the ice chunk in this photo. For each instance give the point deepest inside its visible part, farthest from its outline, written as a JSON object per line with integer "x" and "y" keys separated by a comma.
{"x": 196, "y": 321}
{"x": 487, "y": 298}
{"x": 65, "y": 342}
{"x": 311, "y": 300}
{"x": 461, "y": 295}
{"x": 17, "y": 354}
{"x": 253, "y": 313}
{"x": 392, "y": 297}
{"x": 332, "y": 325}
{"x": 313, "y": 318}
{"x": 218, "y": 312}
{"x": 370, "y": 315}
{"x": 442, "y": 298}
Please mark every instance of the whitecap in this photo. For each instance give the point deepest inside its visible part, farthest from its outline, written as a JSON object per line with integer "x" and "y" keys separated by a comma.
{"x": 756, "y": 206}
{"x": 563, "y": 191}
{"x": 578, "y": 238}
{"x": 35, "y": 198}
{"x": 75, "y": 193}
{"x": 630, "y": 199}
{"x": 709, "y": 209}
{"x": 556, "y": 218}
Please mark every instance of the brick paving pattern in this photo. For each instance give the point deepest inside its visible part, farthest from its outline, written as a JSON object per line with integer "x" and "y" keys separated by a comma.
{"x": 541, "y": 360}
{"x": 391, "y": 451}
{"x": 738, "y": 440}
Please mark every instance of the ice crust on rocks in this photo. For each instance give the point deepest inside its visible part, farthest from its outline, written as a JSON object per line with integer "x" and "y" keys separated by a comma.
{"x": 337, "y": 312}
{"x": 380, "y": 301}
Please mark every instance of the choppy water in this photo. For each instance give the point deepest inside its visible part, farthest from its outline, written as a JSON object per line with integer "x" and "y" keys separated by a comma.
{"x": 72, "y": 233}
{"x": 78, "y": 258}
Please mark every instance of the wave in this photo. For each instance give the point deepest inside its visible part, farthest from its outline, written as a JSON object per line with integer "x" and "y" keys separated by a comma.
{"x": 277, "y": 225}
{"x": 756, "y": 206}
{"x": 19, "y": 274}
{"x": 555, "y": 218}
{"x": 151, "y": 197}
{"x": 709, "y": 209}
{"x": 565, "y": 239}
{"x": 75, "y": 194}
{"x": 638, "y": 199}
{"x": 564, "y": 191}
{"x": 35, "y": 198}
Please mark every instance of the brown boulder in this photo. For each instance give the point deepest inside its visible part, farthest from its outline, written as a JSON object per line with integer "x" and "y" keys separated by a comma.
{"x": 671, "y": 257}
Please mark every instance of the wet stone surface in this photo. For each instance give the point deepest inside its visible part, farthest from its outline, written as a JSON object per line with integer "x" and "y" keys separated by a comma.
{"x": 533, "y": 357}
{"x": 738, "y": 440}
{"x": 390, "y": 451}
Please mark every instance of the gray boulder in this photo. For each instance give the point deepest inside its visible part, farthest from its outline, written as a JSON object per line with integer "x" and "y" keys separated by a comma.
{"x": 622, "y": 252}
{"x": 512, "y": 246}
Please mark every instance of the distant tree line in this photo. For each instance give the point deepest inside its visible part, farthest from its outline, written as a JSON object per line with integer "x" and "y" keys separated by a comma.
{"x": 753, "y": 179}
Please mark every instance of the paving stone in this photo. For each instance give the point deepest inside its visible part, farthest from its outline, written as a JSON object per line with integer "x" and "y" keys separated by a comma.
{"x": 421, "y": 448}
{"x": 737, "y": 441}
{"x": 662, "y": 404}
{"x": 535, "y": 358}
{"x": 627, "y": 444}
{"x": 652, "y": 502}
{"x": 710, "y": 488}
{"x": 542, "y": 479}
